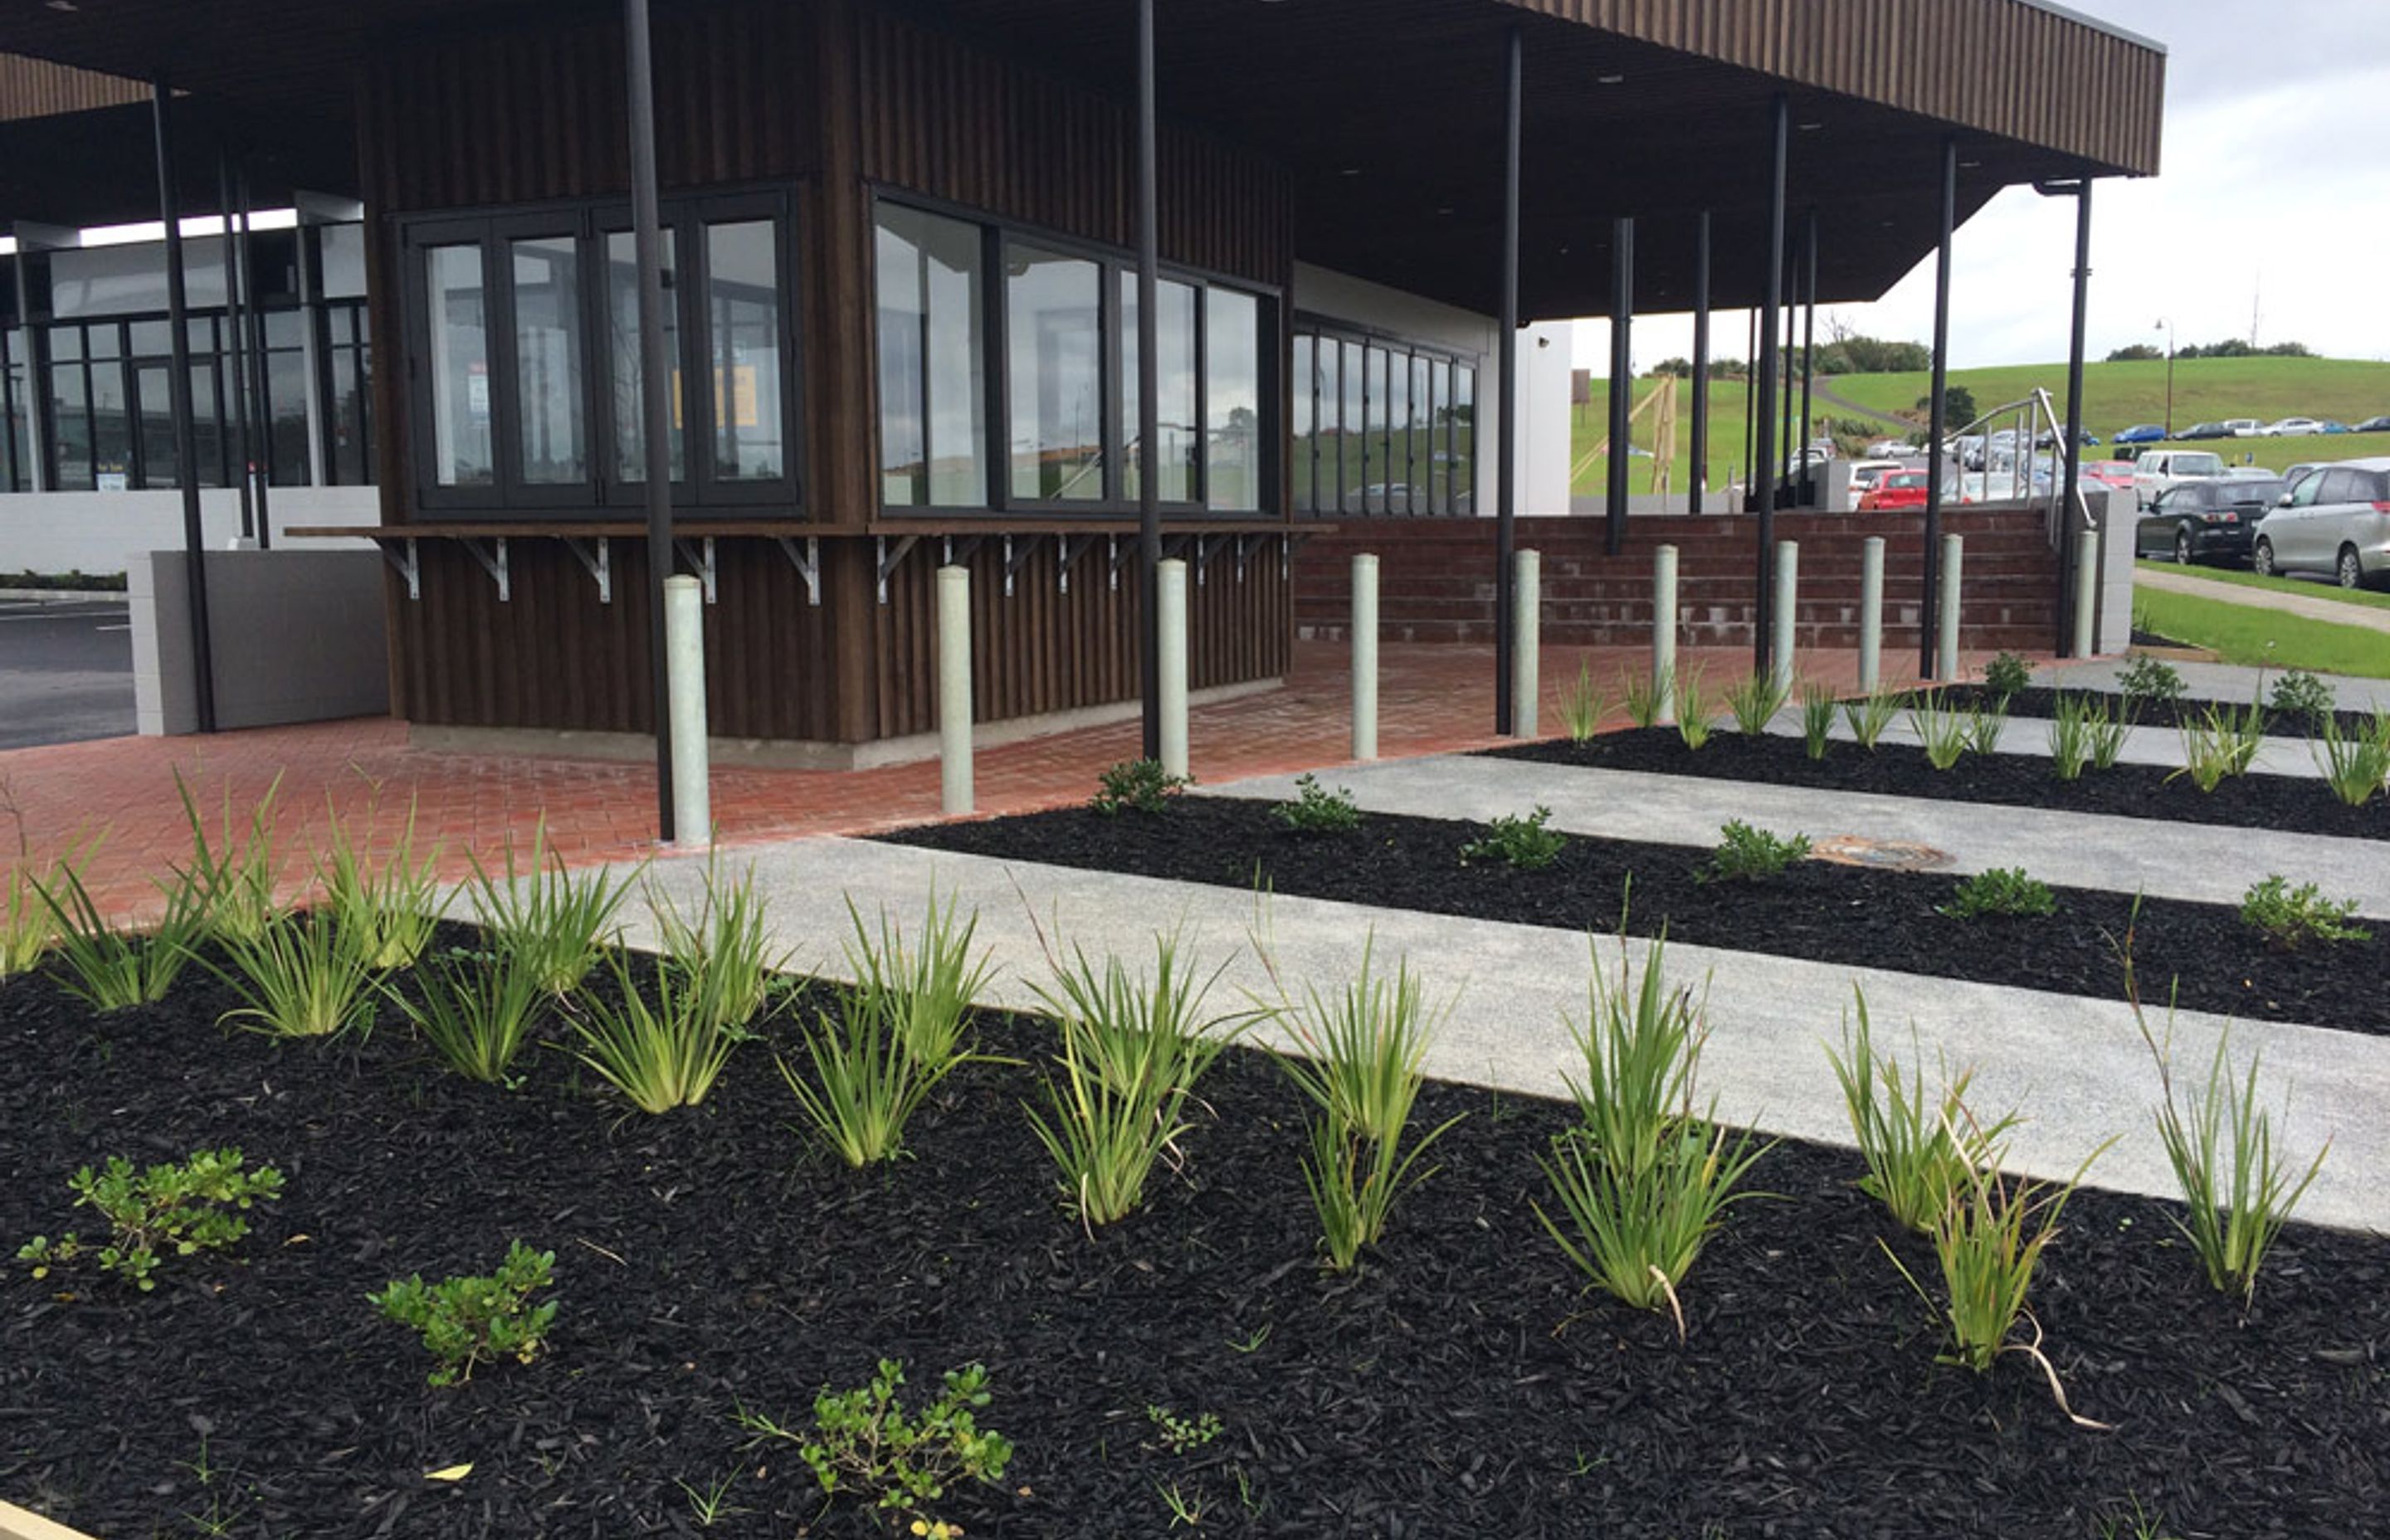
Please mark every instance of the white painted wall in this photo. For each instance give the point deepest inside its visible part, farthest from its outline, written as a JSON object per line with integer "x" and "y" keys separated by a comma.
{"x": 1544, "y": 363}
{"x": 106, "y": 532}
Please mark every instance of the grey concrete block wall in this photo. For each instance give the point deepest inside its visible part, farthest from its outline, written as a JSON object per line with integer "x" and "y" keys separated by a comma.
{"x": 298, "y": 635}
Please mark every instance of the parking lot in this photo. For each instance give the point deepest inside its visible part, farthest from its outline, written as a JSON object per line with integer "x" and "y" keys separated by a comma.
{"x": 66, "y": 671}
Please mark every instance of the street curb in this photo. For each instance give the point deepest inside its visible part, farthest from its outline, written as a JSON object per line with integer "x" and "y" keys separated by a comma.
{"x": 17, "y": 1524}
{"x": 62, "y": 595}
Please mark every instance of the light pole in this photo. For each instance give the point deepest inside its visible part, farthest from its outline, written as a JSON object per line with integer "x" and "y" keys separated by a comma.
{"x": 2167, "y": 326}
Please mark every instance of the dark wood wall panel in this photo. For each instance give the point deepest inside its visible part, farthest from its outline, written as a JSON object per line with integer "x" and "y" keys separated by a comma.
{"x": 37, "y": 88}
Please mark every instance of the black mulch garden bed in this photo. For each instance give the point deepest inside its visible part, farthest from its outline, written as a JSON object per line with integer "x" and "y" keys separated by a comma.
{"x": 2043, "y": 703}
{"x": 1460, "y": 1385}
{"x": 1861, "y": 916}
{"x": 2287, "y": 804}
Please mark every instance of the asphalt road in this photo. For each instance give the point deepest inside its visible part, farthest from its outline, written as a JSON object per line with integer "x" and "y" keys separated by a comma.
{"x": 66, "y": 671}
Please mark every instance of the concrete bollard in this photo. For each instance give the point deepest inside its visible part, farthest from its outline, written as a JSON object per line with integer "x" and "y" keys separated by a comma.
{"x": 1871, "y": 614}
{"x": 1526, "y": 658}
{"x": 685, "y": 676}
{"x": 955, "y": 785}
{"x": 1664, "y": 633}
{"x": 2087, "y": 592}
{"x": 1788, "y": 590}
{"x": 1946, "y": 657}
{"x": 1172, "y": 600}
{"x": 1365, "y": 657}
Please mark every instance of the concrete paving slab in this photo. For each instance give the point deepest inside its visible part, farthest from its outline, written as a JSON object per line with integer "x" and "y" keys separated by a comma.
{"x": 2198, "y": 861}
{"x": 2077, "y": 1068}
{"x": 2028, "y": 737}
{"x": 2234, "y": 683}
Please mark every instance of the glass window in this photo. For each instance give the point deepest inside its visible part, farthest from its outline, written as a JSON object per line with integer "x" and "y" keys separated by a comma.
{"x": 1353, "y": 441}
{"x": 1053, "y": 306}
{"x": 1373, "y": 429}
{"x": 554, "y": 447}
{"x": 1422, "y": 437}
{"x": 460, "y": 369}
{"x": 1398, "y": 433}
{"x": 70, "y": 446}
{"x": 348, "y": 459}
{"x": 1232, "y": 402}
{"x": 628, "y": 393}
{"x": 111, "y": 430}
{"x": 933, "y": 347}
{"x": 344, "y": 247}
{"x": 150, "y": 385}
{"x": 1464, "y": 439}
{"x": 743, "y": 326}
{"x": 1175, "y": 384}
{"x": 286, "y": 409}
{"x": 1439, "y": 480}
{"x": 1303, "y": 416}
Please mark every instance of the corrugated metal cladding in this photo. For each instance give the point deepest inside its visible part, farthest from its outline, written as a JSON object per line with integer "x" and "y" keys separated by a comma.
{"x": 37, "y": 88}
{"x": 2000, "y": 66}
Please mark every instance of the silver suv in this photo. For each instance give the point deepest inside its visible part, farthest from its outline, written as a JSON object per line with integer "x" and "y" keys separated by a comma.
{"x": 2335, "y": 521}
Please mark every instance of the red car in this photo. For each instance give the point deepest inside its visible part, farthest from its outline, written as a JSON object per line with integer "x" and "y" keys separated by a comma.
{"x": 2116, "y": 475}
{"x": 1901, "y": 489}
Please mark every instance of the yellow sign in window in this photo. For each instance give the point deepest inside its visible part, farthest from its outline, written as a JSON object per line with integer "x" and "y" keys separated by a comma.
{"x": 735, "y": 398}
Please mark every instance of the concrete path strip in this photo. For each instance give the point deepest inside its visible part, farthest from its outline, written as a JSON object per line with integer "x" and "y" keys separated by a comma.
{"x": 2028, "y": 737}
{"x": 2362, "y": 617}
{"x": 2200, "y": 861}
{"x": 2234, "y": 683}
{"x": 2077, "y": 1069}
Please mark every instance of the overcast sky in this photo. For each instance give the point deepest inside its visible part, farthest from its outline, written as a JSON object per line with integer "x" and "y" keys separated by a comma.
{"x": 2275, "y": 191}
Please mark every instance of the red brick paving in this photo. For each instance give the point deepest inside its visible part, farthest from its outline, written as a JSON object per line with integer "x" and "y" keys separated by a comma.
{"x": 1432, "y": 700}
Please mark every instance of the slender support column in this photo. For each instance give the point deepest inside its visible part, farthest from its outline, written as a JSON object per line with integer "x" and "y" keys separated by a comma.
{"x": 1701, "y": 477}
{"x": 1937, "y": 415}
{"x": 1170, "y": 613}
{"x": 1663, "y": 632}
{"x": 253, "y": 343}
{"x": 1809, "y": 350}
{"x": 1148, "y": 401}
{"x": 311, "y": 335}
{"x": 1526, "y": 665}
{"x": 2086, "y": 593}
{"x": 1788, "y": 590}
{"x": 35, "y": 408}
{"x": 1621, "y": 378}
{"x": 235, "y": 341}
{"x": 953, "y": 689}
{"x": 655, "y": 381}
{"x": 178, "y": 394}
{"x": 1505, "y": 458}
{"x": 1750, "y": 413}
{"x": 1947, "y": 616}
{"x": 1765, "y": 462}
{"x": 1872, "y": 613}
{"x": 685, "y": 662}
{"x": 1789, "y": 482}
{"x": 1365, "y": 657}
{"x": 2071, "y": 494}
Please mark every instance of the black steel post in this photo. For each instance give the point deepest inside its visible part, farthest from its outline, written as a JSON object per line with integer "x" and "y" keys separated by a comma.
{"x": 1621, "y": 378}
{"x": 1505, "y": 458}
{"x": 1750, "y": 403}
{"x": 1765, "y": 462}
{"x": 655, "y": 385}
{"x": 1701, "y": 359}
{"x": 35, "y": 416}
{"x": 1785, "y": 480}
{"x": 178, "y": 395}
{"x": 236, "y": 339}
{"x": 2073, "y": 489}
{"x": 253, "y": 343}
{"x": 1149, "y": 376}
{"x": 1937, "y": 424}
{"x": 1809, "y": 349}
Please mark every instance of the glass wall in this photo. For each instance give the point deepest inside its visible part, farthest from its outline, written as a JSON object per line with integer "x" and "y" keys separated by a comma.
{"x": 1380, "y": 426}
{"x": 1053, "y": 318}
{"x": 462, "y": 438}
{"x": 742, "y": 276}
{"x": 1232, "y": 402}
{"x": 1176, "y": 386}
{"x": 933, "y": 352}
{"x": 627, "y": 383}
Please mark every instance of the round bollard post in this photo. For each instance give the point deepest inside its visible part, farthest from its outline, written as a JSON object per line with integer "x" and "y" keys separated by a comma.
{"x": 1526, "y": 658}
{"x": 2087, "y": 592}
{"x": 1365, "y": 657}
{"x": 1946, "y": 661}
{"x": 1173, "y": 599}
{"x": 1871, "y": 614}
{"x": 685, "y": 674}
{"x": 1788, "y": 588}
{"x": 954, "y": 786}
{"x": 1663, "y": 632}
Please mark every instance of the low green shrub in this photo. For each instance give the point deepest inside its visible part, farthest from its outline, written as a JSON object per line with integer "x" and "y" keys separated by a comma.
{"x": 2007, "y": 674}
{"x": 2302, "y": 696}
{"x": 1137, "y": 785}
{"x": 1525, "y": 843}
{"x": 2001, "y": 891}
{"x": 1747, "y": 854}
{"x": 1584, "y": 705}
{"x": 1316, "y": 810}
{"x": 1919, "y": 1149}
{"x": 465, "y": 1321}
{"x": 175, "y": 1210}
{"x": 2291, "y": 917}
{"x": 865, "y": 1443}
{"x": 2148, "y": 681}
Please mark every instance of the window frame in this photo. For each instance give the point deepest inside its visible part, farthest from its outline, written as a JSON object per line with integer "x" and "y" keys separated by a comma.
{"x": 1445, "y": 364}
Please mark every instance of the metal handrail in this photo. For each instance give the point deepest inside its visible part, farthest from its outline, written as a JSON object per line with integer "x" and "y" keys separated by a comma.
{"x": 2034, "y": 412}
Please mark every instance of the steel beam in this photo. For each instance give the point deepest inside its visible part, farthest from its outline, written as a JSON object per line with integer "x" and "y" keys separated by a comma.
{"x": 655, "y": 384}
{"x": 178, "y": 395}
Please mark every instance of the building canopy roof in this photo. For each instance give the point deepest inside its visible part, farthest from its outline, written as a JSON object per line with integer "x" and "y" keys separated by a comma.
{"x": 1388, "y": 113}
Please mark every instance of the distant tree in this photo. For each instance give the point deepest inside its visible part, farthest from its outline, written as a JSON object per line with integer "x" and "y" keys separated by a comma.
{"x": 1859, "y": 354}
{"x": 1957, "y": 404}
{"x": 1681, "y": 368}
{"x": 2137, "y": 352}
{"x": 2290, "y": 350}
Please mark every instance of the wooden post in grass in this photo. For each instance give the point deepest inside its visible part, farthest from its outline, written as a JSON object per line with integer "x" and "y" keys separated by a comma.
{"x": 1365, "y": 657}
{"x": 956, "y": 793}
{"x": 1871, "y": 614}
{"x": 1788, "y": 586}
{"x": 1946, "y": 654}
{"x": 1663, "y": 632}
{"x": 1171, "y": 588}
{"x": 1526, "y": 626}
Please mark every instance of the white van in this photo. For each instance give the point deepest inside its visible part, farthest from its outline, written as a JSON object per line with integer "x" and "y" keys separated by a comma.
{"x": 2160, "y": 468}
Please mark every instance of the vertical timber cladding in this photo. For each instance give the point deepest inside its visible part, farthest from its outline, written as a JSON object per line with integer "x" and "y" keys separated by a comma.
{"x": 978, "y": 128}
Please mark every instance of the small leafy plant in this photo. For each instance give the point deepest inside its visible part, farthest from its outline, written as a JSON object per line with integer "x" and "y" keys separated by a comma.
{"x": 2356, "y": 765}
{"x": 1182, "y": 1435}
{"x": 1871, "y": 716}
{"x": 1584, "y": 705}
{"x": 2008, "y": 676}
{"x": 2001, "y": 891}
{"x": 465, "y": 1321}
{"x": 2148, "y": 681}
{"x": 1525, "y": 843}
{"x": 1755, "y": 701}
{"x": 2303, "y": 698}
{"x": 1817, "y": 709}
{"x": 1919, "y": 1149}
{"x": 554, "y": 923}
{"x": 1745, "y": 854}
{"x": 475, "y": 1011}
{"x": 865, "y": 1443}
{"x": 2291, "y": 917}
{"x": 173, "y": 1210}
{"x": 1316, "y": 810}
{"x": 1137, "y": 785}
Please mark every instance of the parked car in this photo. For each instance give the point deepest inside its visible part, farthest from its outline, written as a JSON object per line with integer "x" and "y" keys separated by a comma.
{"x": 2335, "y": 521}
{"x": 1887, "y": 449}
{"x": 2116, "y": 475}
{"x": 2249, "y": 473}
{"x": 2292, "y": 427}
{"x": 1897, "y": 490}
{"x": 2206, "y": 520}
{"x": 2160, "y": 468}
{"x": 2245, "y": 428}
{"x": 2205, "y": 430}
{"x": 2329, "y": 426}
{"x": 1866, "y": 473}
{"x": 2142, "y": 432}
{"x": 2372, "y": 425}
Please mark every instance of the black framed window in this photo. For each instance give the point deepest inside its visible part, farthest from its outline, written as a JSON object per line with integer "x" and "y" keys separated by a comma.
{"x": 1381, "y": 425}
{"x": 16, "y": 422}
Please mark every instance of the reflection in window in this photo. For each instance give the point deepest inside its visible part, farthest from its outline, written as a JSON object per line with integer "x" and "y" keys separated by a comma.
{"x": 1174, "y": 350}
{"x": 1232, "y": 402}
{"x": 1302, "y": 421}
{"x": 628, "y": 391}
{"x": 1388, "y": 426}
{"x": 460, "y": 369}
{"x": 1053, "y": 317}
{"x": 111, "y": 429}
{"x": 1464, "y": 439}
{"x": 744, "y": 322}
{"x": 1398, "y": 434}
{"x": 1352, "y": 443}
{"x": 349, "y": 361}
{"x": 547, "y": 361}
{"x": 285, "y": 453}
{"x": 933, "y": 385}
{"x": 1422, "y": 437}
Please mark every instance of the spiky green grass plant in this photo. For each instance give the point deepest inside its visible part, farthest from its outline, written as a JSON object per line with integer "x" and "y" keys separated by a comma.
{"x": 1754, "y": 702}
{"x": 1920, "y": 1149}
{"x": 234, "y": 878}
{"x": 1583, "y": 706}
{"x": 2221, "y": 743}
{"x": 475, "y": 1011}
{"x": 305, "y": 975}
{"x": 925, "y": 987}
{"x": 2070, "y": 735}
{"x": 661, "y": 1054}
{"x": 1648, "y": 698}
{"x": 1818, "y": 708}
{"x": 1696, "y": 714}
{"x": 2355, "y": 765}
{"x": 392, "y": 906}
{"x": 553, "y": 922}
{"x": 111, "y": 969}
{"x": 1871, "y": 716}
{"x": 722, "y": 954}
{"x": 1945, "y": 735}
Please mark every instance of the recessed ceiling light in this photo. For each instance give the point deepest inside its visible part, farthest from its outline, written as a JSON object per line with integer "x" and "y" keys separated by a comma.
{"x": 1969, "y": 165}
{"x": 60, "y": 5}
{"x": 1811, "y": 128}
{"x": 1610, "y": 80}
{"x": 1350, "y": 171}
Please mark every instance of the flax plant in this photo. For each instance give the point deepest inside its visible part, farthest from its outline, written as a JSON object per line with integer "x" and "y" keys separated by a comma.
{"x": 1946, "y": 734}
{"x": 1920, "y": 1149}
{"x": 1984, "y": 727}
{"x": 865, "y": 1086}
{"x": 553, "y": 922}
{"x": 722, "y": 952}
{"x": 476, "y": 1012}
{"x": 1696, "y": 714}
{"x": 2355, "y": 765}
{"x": 1755, "y": 701}
{"x": 111, "y": 969}
{"x": 27, "y": 925}
{"x": 2070, "y": 736}
{"x": 925, "y": 987}
{"x": 663, "y": 1054}
{"x": 392, "y": 909}
{"x": 234, "y": 882}
{"x": 1818, "y": 707}
{"x": 1583, "y": 706}
{"x": 2220, "y": 744}
{"x": 1871, "y": 716}
{"x": 1647, "y": 699}
{"x": 305, "y": 975}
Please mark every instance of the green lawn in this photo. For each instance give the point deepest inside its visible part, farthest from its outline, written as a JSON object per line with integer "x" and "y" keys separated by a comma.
{"x": 1589, "y": 424}
{"x": 2206, "y": 389}
{"x": 2288, "y": 586}
{"x": 2268, "y": 638}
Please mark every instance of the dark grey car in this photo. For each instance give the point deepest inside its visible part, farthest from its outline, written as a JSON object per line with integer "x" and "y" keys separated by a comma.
{"x": 2209, "y": 521}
